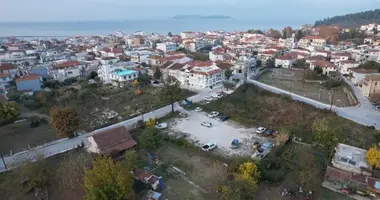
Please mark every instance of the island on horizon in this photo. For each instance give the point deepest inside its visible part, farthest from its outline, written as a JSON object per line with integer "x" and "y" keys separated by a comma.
{"x": 201, "y": 17}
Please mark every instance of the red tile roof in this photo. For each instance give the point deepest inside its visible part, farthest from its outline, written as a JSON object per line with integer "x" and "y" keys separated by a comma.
{"x": 7, "y": 66}
{"x": 67, "y": 64}
{"x": 198, "y": 63}
{"x": 341, "y": 54}
{"x": 289, "y": 56}
{"x": 223, "y": 65}
{"x": 208, "y": 73}
{"x": 113, "y": 141}
{"x": 323, "y": 64}
{"x": 3, "y": 75}
{"x": 28, "y": 77}
{"x": 268, "y": 52}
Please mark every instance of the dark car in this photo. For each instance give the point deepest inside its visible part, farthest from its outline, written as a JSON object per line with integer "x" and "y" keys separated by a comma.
{"x": 156, "y": 82}
{"x": 269, "y": 132}
{"x": 223, "y": 118}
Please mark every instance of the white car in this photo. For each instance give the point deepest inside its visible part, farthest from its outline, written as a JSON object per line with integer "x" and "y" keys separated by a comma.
{"x": 213, "y": 114}
{"x": 182, "y": 114}
{"x": 208, "y": 98}
{"x": 261, "y": 130}
{"x": 209, "y": 146}
{"x": 162, "y": 125}
{"x": 198, "y": 109}
{"x": 207, "y": 124}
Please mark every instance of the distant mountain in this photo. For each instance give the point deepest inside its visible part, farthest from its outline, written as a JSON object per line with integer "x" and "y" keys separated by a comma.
{"x": 201, "y": 17}
{"x": 352, "y": 20}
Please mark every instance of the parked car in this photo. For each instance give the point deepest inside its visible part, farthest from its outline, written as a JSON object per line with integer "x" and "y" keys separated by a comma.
{"x": 209, "y": 146}
{"x": 234, "y": 144}
{"x": 213, "y": 114}
{"x": 182, "y": 114}
{"x": 261, "y": 130}
{"x": 198, "y": 109}
{"x": 269, "y": 132}
{"x": 208, "y": 99}
{"x": 256, "y": 145}
{"x": 161, "y": 125}
{"x": 156, "y": 82}
{"x": 266, "y": 147}
{"x": 207, "y": 124}
{"x": 377, "y": 108}
{"x": 220, "y": 95}
{"x": 223, "y": 118}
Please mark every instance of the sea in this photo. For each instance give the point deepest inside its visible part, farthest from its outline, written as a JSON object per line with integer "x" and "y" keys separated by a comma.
{"x": 161, "y": 26}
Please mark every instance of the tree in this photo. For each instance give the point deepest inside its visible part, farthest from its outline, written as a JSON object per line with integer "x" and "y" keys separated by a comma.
{"x": 252, "y": 31}
{"x": 150, "y": 138}
{"x": 170, "y": 34}
{"x": 65, "y": 120}
{"x": 244, "y": 183}
{"x": 301, "y": 63}
{"x": 143, "y": 79}
{"x": 306, "y": 169}
{"x": 287, "y": 32}
{"x": 181, "y": 49}
{"x": 151, "y": 123}
{"x": 228, "y": 73}
{"x": 373, "y": 157}
{"x": 171, "y": 91}
{"x": 299, "y": 34}
{"x": 318, "y": 69}
{"x": 9, "y": 111}
{"x": 92, "y": 75}
{"x": 130, "y": 160}
{"x": 228, "y": 86}
{"x": 273, "y": 33}
{"x": 157, "y": 73}
{"x": 135, "y": 83}
{"x": 108, "y": 180}
{"x": 258, "y": 63}
{"x": 270, "y": 63}
{"x": 328, "y": 132}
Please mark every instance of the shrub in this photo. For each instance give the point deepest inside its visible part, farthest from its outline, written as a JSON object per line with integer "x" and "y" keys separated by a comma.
{"x": 332, "y": 83}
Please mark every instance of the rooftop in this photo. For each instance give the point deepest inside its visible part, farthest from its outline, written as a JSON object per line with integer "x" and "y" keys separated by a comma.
{"x": 350, "y": 158}
{"x": 28, "y": 77}
{"x": 125, "y": 72}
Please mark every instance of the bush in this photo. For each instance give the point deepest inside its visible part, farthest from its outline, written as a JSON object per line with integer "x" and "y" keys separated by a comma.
{"x": 32, "y": 104}
{"x": 150, "y": 138}
{"x": 332, "y": 83}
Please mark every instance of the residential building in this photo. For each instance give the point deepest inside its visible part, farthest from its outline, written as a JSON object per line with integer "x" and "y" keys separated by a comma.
{"x": 65, "y": 70}
{"x": 326, "y": 66}
{"x": 216, "y": 55}
{"x": 350, "y": 169}
{"x": 111, "y": 52}
{"x": 111, "y": 142}
{"x": 5, "y": 78}
{"x": 286, "y": 61}
{"x": 30, "y": 82}
{"x": 371, "y": 85}
{"x": 266, "y": 55}
{"x": 107, "y": 73}
{"x": 358, "y": 74}
{"x": 122, "y": 77}
{"x": 340, "y": 56}
{"x": 312, "y": 41}
{"x": 188, "y": 34}
{"x": 108, "y": 60}
{"x": 10, "y": 69}
{"x": 147, "y": 178}
{"x": 326, "y": 54}
{"x": 346, "y": 66}
{"x": 166, "y": 46}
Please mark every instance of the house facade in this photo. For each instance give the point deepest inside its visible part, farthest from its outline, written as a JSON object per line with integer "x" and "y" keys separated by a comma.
{"x": 65, "y": 70}
{"x": 346, "y": 66}
{"x": 30, "y": 82}
{"x": 312, "y": 41}
{"x": 122, "y": 77}
{"x": 371, "y": 85}
{"x": 286, "y": 61}
{"x": 7, "y": 68}
{"x": 167, "y": 46}
{"x": 326, "y": 66}
{"x": 359, "y": 74}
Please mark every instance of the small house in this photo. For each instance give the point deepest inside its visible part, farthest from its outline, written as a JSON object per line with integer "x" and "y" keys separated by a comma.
{"x": 111, "y": 142}
{"x": 30, "y": 82}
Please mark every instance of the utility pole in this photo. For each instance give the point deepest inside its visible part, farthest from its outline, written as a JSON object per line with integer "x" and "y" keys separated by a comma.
{"x": 5, "y": 165}
{"x": 332, "y": 98}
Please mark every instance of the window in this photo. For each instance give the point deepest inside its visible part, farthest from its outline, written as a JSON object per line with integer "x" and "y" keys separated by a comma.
{"x": 352, "y": 162}
{"x": 129, "y": 77}
{"x": 69, "y": 72}
{"x": 343, "y": 159}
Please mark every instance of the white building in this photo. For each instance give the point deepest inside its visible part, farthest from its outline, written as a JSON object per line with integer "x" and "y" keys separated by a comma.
{"x": 108, "y": 60}
{"x": 167, "y": 46}
{"x": 286, "y": 61}
{"x": 65, "y": 70}
{"x": 106, "y": 72}
{"x": 214, "y": 56}
{"x": 346, "y": 66}
{"x": 359, "y": 74}
{"x": 188, "y": 34}
{"x": 121, "y": 77}
{"x": 11, "y": 70}
{"x": 341, "y": 56}
{"x": 326, "y": 66}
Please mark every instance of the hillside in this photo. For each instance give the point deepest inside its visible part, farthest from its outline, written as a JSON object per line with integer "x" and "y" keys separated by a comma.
{"x": 352, "y": 20}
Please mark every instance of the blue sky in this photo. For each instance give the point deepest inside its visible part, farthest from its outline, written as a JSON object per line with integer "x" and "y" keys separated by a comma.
{"x": 74, "y": 10}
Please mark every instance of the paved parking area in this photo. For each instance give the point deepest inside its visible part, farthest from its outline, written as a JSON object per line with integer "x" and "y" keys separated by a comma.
{"x": 222, "y": 133}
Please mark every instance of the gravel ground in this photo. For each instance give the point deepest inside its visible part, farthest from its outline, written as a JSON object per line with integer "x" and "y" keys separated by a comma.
{"x": 222, "y": 133}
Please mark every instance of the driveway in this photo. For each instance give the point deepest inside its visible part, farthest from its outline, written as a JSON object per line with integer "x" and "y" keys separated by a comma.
{"x": 222, "y": 133}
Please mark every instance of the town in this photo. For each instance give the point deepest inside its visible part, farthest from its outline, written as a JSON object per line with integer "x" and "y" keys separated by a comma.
{"x": 276, "y": 114}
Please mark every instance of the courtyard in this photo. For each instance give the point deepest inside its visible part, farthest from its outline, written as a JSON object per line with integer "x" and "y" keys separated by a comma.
{"x": 293, "y": 81}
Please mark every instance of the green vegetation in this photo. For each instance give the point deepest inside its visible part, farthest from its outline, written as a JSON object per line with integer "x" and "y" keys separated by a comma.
{"x": 9, "y": 112}
{"x": 352, "y": 20}
{"x": 252, "y": 31}
{"x": 370, "y": 65}
{"x": 252, "y": 106}
{"x": 65, "y": 120}
{"x": 172, "y": 92}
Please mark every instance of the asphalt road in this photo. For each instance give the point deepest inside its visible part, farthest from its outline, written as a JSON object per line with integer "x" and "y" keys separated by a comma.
{"x": 64, "y": 145}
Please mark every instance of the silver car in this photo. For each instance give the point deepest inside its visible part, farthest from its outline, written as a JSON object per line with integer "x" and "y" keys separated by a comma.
{"x": 207, "y": 124}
